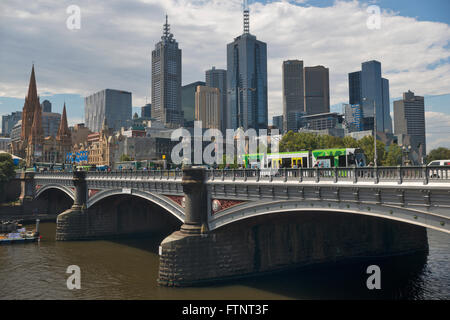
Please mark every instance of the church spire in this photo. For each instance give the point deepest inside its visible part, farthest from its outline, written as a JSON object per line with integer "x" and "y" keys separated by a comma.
{"x": 36, "y": 130}
{"x": 30, "y": 107}
{"x": 32, "y": 88}
{"x": 63, "y": 131}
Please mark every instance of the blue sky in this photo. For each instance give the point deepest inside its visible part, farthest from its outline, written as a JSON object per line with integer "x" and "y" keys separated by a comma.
{"x": 112, "y": 48}
{"x": 425, "y": 10}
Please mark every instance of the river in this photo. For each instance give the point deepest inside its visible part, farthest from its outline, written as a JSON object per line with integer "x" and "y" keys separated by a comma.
{"x": 128, "y": 269}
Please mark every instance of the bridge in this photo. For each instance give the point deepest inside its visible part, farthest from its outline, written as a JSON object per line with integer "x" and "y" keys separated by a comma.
{"x": 241, "y": 222}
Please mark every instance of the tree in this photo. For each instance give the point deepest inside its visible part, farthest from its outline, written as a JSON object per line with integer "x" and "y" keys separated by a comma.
{"x": 367, "y": 146}
{"x": 125, "y": 157}
{"x": 6, "y": 172}
{"x": 438, "y": 154}
{"x": 393, "y": 156}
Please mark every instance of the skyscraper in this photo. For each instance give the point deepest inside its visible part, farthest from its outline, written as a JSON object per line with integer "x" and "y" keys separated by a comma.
{"x": 367, "y": 88}
{"x": 277, "y": 122}
{"x": 217, "y": 78}
{"x": 188, "y": 102}
{"x": 112, "y": 105}
{"x": 166, "y": 80}
{"x": 9, "y": 121}
{"x": 247, "y": 80}
{"x": 207, "y": 107}
{"x": 46, "y": 106}
{"x": 293, "y": 93}
{"x": 409, "y": 119}
{"x": 146, "y": 111}
{"x": 317, "y": 90}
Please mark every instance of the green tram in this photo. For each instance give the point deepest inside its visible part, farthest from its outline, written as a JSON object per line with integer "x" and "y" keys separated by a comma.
{"x": 323, "y": 158}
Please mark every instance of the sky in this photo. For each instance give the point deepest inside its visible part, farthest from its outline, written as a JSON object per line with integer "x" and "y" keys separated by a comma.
{"x": 112, "y": 48}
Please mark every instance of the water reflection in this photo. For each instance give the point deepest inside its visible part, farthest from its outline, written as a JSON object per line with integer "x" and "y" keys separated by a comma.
{"x": 128, "y": 269}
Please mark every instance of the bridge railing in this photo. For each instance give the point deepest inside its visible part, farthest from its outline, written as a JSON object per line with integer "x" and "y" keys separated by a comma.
{"x": 137, "y": 175}
{"x": 366, "y": 174}
{"x": 354, "y": 174}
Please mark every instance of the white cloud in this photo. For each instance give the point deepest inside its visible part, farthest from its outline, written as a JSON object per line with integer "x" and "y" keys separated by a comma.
{"x": 113, "y": 47}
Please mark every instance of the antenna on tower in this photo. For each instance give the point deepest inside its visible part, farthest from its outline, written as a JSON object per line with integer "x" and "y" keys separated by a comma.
{"x": 166, "y": 31}
{"x": 246, "y": 18}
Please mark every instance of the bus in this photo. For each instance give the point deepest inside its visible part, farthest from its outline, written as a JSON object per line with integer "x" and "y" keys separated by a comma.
{"x": 322, "y": 158}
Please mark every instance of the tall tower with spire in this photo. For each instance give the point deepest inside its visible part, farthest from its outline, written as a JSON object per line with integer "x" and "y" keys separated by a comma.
{"x": 31, "y": 105}
{"x": 64, "y": 137}
{"x": 247, "y": 80}
{"x": 166, "y": 80}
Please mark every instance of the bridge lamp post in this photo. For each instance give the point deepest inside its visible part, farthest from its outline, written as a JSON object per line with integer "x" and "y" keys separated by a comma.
{"x": 406, "y": 151}
{"x": 375, "y": 155}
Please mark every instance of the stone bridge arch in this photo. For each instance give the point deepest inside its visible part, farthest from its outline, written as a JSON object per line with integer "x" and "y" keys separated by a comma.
{"x": 52, "y": 199}
{"x": 160, "y": 200}
{"x": 69, "y": 192}
{"x": 411, "y": 216}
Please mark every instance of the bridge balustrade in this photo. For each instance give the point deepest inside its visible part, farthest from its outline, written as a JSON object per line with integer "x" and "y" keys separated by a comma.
{"x": 355, "y": 174}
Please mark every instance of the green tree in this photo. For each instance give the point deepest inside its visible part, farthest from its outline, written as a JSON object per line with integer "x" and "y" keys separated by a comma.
{"x": 6, "y": 172}
{"x": 393, "y": 156}
{"x": 125, "y": 157}
{"x": 438, "y": 154}
{"x": 367, "y": 146}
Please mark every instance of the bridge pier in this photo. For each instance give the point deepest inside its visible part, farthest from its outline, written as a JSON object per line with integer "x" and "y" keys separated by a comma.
{"x": 27, "y": 191}
{"x": 264, "y": 244}
{"x": 72, "y": 224}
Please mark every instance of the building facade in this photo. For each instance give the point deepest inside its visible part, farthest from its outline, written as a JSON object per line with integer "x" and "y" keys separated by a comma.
{"x": 317, "y": 90}
{"x": 247, "y": 80}
{"x": 9, "y": 121}
{"x": 217, "y": 78}
{"x": 353, "y": 117}
{"x": 323, "y": 121}
{"x": 146, "y": 111}
{"x": 207, "y": 107}
{"x": 368, "y": 89}
{"x": 50, "y": 123}
{"x": 293, "y": 93}
{"x": 46, "y": 106}
{"x": 409, "y": 120}
{"x": 5, "y": 144}
{"x": 112, "y": 105}
{"x": 188, "y": 102}
{"x": 277, "y": 122}
{"x": 166, "y": 80}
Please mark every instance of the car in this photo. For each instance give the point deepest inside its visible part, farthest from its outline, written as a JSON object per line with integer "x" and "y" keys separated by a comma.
{"x": 439, "y": 163}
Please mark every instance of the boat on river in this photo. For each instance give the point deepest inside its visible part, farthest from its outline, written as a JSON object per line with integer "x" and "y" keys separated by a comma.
{"x": 17, "y": 234}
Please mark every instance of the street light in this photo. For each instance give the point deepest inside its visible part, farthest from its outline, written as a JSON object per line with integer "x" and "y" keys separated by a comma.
{"x": 406, "y": 151}
{"x": 375, "y": 158}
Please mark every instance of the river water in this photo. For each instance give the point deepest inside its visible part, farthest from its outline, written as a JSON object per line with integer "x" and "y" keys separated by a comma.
{"x": 128, "y": 269}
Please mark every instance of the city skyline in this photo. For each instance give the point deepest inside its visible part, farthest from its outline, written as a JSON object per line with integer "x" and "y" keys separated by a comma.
{"x": 433, "y": 68}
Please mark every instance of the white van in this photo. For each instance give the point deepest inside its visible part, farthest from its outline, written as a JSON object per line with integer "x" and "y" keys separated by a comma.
{"x": 439, "y": 163}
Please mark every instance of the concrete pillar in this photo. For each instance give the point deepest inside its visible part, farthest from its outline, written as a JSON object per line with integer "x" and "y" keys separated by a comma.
{"x": 79, "y": 181}
{"x": 194, "y": 189}
{"x": 27, "y": 191}
{"x": 28, "y": 188}
{"x": 73, "y": 224}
